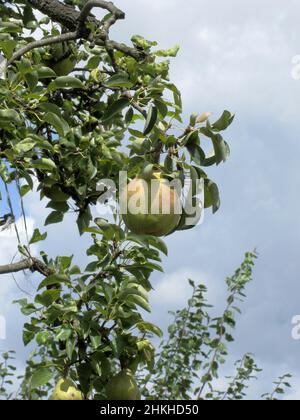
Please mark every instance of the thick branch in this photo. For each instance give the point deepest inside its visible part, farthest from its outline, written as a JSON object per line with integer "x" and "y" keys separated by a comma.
{"x": 70, "y": 18}
{"x": 27, "y": 264}
{"x": 69, "y": 36}
{"x": 59, "y": 12}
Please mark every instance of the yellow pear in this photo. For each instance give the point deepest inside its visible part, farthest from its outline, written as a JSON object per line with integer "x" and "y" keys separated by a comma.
{"x": 150, "y": 206}
{"x": 66, "y": 390}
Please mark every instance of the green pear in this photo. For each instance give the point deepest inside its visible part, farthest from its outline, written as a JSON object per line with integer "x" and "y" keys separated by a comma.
{"x": 66, "y": 390}
{"x": 123, "y": 387}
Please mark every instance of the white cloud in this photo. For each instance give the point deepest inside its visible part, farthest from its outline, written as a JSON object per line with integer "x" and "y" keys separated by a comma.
{"x": 172, "y": 291}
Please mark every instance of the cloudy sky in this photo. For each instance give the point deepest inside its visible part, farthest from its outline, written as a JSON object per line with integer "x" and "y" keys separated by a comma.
{"x": 238, "y": 56}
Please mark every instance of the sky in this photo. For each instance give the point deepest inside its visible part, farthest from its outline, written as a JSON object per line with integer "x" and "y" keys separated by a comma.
{"x": 238, "y": 56}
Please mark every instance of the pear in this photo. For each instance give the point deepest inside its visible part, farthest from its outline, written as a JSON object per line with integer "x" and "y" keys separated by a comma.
{"x": 151, "y": 206}
{"x": 123, "y": 387}
{"x": 66, "y": 390}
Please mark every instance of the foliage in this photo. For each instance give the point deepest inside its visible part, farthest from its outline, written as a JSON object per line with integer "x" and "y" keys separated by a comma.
{"x": 114, "y": 112}
{"x": 196, "y": 350}
{"x": 194, "y": 353}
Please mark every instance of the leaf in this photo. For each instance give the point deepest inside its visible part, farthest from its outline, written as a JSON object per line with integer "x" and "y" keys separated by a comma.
{"x": 224, "y": 122}
{"x": 159, "y": 244}
{"x": 54, "y": 217}
{"x": 48, "y": 297}
{"x": 211, "y": 195}
{"x": 45, "y": 73}
{"x": 149, "y": 327}
{"x": 119, "y": 80}
{"x": 37, "y": 237}
{"x": 136, "y": 133}
{"x": 221, "y": 148}
{"x": 31, "y": 80}
{"x": 55, "y": 279}
{"x": 63, "y": 334}
{"x": 50, "y": 107}
{"x": 139, "y": 301}
{"x": 42, "y": 337}
{"x": 191, "y": 138}
{"x": 10, "y": 115}
{"x": 197, "y": 154}
{"x": 83, "y": 221}
{"x": 171, "y": 52}
{"x": 161, "y": 107}
{"x": 40, "y": 377}
{"x": 8, "y": 47}
{"x": 58, "y": 206}
{"x": 66, "y": 82}
{"x": 25, "y": 145}
{"x": 93, "y": 62}
{"x": 115, "y": 108}
{"x": 44, "y": 164}
{"x": 129, "y": 116}
{"x": 151, "y": 120}
{"x": 60, "y": 125}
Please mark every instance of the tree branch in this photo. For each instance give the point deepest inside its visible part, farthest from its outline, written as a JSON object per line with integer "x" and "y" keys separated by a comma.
{"x": 127, "y": 94}
{"x": 109, "y": 6}
{"x": 69, "y": 36}
{"x": 32, "y": 264}
{"x": 70, "y": 19}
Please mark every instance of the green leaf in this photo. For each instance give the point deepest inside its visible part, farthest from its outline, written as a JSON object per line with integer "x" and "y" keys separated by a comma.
{"x": 40, "y": 377}
{"x": 45, "y": 73}
{"x": 54, "y": 217}
{"x": 159, "y": 244}
{"x": 129, "y": 116}
{"x": 139, "y": 301}
{"x": 10, "y": 27}
{"x": 221, "y": 148}
{"x": 136, "y": 133}
{"x": 44, "y": 164}
{"x": 70, "y": 347}
{"x": 54, "y": 280}
{"x": 25, "y": 145}
{"x": 63, "y": 334}
{"x": 115, "y": 108}
{"x": 224, "y": 122}
{"x": 42, "y": 337}
{"x": 148, "y": 327}
{"x": 66, "y": 82}
{"x": 8, "y": 47}
{"x": 119, "y": 80}
{"x": 197, "y": 154}
{"x": 48, "y": 297}
{"x": 10, "y": 115}
{"x": 31, "y": 80}
{"x": 211, "y": 195}
{"x": 60, "y": 125}
{"x": 161, "y": 107}
{"x": 171, "y": 52}
{"x": 37, "y": 237}
{"x": 93, "y": 62}
{"x": 151, "y": 120}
